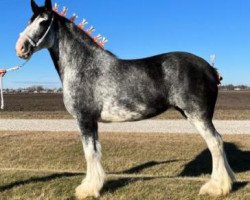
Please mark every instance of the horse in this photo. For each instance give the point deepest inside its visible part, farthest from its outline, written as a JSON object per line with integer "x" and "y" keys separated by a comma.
{"x": 100, "y": 87}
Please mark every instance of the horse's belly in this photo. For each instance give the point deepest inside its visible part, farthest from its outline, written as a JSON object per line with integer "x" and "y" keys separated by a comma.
{"x": 121, "y": 114}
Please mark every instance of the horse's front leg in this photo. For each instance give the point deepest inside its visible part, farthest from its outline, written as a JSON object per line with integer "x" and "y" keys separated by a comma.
{"x": 95, "y": 176}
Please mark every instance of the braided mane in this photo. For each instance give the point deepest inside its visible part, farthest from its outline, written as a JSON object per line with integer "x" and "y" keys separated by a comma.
{"x": 98, "y": 39}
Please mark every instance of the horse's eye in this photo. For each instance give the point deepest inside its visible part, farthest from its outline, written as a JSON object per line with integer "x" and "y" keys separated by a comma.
{"x": 43, "y": 23}
{"x": 44, "y": 17}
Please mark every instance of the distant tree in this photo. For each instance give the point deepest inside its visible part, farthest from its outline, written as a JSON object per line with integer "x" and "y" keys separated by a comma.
{"x": 36, "y": 88}
{"x": 243, "y": 87}
{"x": 59, "y": 90}
{"x": 230, "y": 87}
{"x": 19, "y": 90}
{"x": 233, "y": 87}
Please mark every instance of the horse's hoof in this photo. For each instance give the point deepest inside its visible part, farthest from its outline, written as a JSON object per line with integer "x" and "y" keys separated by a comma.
{"x": 215, "y": 189}
{"x": 83, "y": 191}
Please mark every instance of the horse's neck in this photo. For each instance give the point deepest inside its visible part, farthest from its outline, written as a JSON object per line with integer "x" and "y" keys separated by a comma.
{"x": 73, "y": 50}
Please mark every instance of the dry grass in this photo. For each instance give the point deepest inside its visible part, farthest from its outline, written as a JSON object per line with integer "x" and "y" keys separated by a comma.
{"x": 231, "y": 105}
{"x": 139, "y": 166}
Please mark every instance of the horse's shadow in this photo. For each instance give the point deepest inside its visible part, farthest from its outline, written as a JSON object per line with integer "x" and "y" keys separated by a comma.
{"x": 113, "y": 185}
{"x": 110, "y": 185}
{"x": 36, "y": 180}
{"x": 141, "y": 167}
{"x": 201, "y": 164}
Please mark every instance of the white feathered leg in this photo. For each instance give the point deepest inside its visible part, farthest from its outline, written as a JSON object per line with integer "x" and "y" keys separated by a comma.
{"x": 95, "y": 177}
{"x": 222, "y": 175}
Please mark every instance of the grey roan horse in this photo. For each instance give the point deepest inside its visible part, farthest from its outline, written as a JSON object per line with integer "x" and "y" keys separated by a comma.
{"x": 99, "y": 87}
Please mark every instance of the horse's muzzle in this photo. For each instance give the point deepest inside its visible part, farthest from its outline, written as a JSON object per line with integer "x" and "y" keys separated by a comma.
{"x": 23, "y": 48}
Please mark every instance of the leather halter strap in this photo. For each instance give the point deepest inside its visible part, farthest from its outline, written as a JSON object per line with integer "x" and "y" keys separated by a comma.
{"x": 36, "y": 44}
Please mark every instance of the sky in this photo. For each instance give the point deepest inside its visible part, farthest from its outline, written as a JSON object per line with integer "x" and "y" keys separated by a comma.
{"x": 137, "y": 29}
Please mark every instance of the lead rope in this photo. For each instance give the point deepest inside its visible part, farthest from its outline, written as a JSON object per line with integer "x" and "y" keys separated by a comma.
{"x": 1, "y": 88}
{"x": 12, "y": 69}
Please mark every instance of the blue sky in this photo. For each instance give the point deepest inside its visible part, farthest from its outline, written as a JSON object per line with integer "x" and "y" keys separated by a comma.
{"x": 139, "y": 29}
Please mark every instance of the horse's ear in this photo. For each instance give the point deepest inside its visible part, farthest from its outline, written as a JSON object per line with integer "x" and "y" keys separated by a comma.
{"x": 34, "y": 6}
{"x": 48, "y": 5}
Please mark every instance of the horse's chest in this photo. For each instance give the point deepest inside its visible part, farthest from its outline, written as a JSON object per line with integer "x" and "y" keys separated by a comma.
{"x": 70, "y": 84}
{"x": 69, "y": 101}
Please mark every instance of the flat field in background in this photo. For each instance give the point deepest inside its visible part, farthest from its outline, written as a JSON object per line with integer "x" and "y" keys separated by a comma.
{"x": 44, "y": 165}
{"x": 231, "y": 105}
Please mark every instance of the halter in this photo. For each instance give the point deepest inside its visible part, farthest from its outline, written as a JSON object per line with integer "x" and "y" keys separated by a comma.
{"x": 33, "y": 44}
{"x": 36, "y": 44}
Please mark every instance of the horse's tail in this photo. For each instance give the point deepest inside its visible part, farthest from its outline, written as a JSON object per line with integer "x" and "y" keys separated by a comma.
{"x": 220, "y": 78}
{"x": 217, "y": 76}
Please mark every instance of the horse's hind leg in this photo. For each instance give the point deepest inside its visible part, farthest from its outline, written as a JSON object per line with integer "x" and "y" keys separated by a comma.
{"x": 95, "y": 176}
{"x": 222, "y": 175}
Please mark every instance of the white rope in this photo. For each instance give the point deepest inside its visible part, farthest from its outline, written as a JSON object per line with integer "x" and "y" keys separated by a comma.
{"x": 12, "y": 69}
{"x": 1, "y": 88}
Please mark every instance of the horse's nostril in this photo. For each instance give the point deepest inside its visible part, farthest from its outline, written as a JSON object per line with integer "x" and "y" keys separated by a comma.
{"x": 23, "y": 49}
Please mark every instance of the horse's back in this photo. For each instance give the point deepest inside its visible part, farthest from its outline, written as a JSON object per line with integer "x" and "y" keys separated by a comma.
{"x": 173, "y": 71}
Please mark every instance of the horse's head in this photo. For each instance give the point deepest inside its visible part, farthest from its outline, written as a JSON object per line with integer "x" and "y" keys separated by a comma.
{"x": 39, "y": 32}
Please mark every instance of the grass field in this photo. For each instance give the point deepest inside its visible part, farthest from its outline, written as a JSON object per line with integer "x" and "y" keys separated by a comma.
{"x": 233, "y": 105}
{"x": 45, "y": 165}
